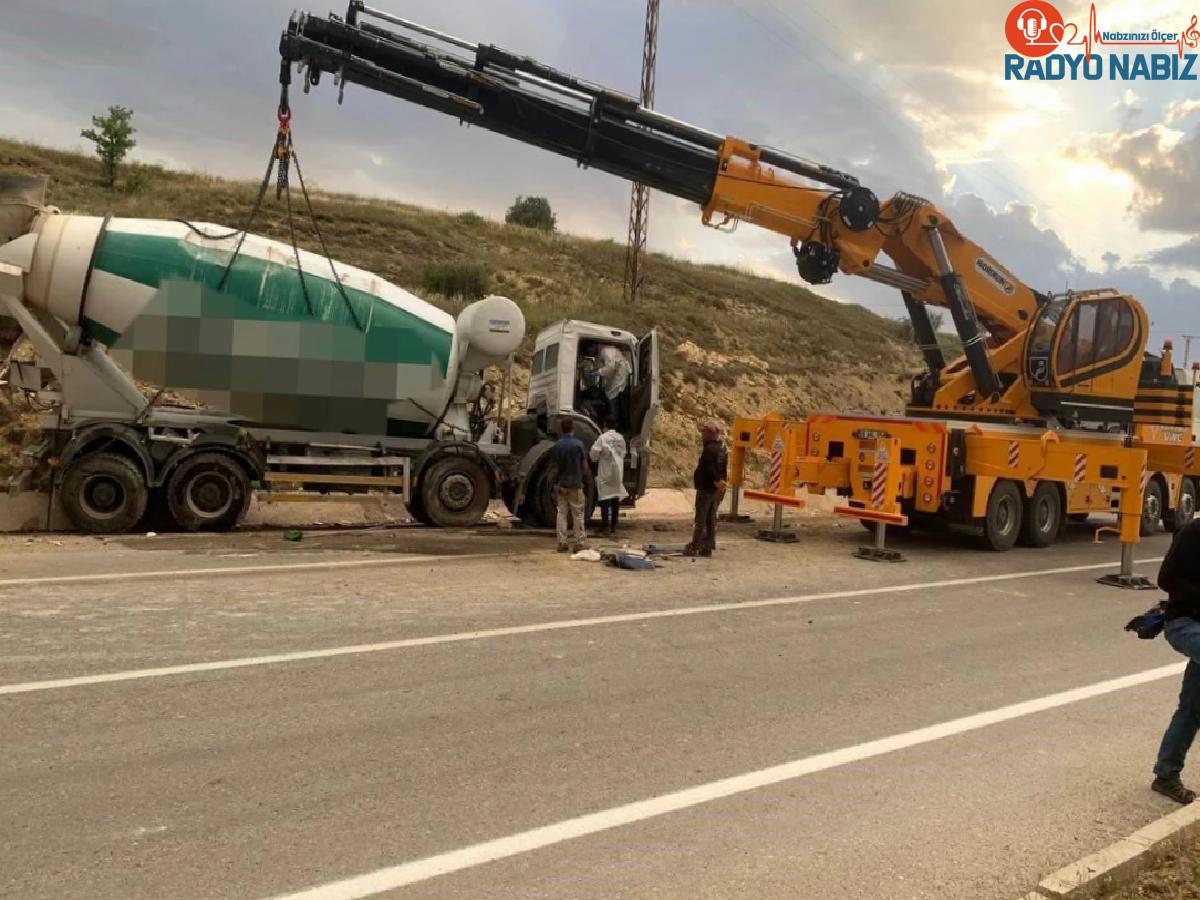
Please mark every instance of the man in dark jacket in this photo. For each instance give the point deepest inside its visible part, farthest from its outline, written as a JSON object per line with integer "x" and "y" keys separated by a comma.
{"x": 1180, "y": 578}
{"x": 569, "y": 456}
{"x": 709, "y": 481}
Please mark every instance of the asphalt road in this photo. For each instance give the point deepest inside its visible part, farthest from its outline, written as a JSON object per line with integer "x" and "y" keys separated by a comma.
{"x": 407, "y": 714}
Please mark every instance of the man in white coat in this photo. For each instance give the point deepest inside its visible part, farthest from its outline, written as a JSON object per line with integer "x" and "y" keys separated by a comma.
{"x": 608, "y": 452}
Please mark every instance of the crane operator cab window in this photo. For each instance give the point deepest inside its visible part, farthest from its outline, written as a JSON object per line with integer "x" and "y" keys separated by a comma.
{"x": 604, "y": 382}
{"x": 1076, "y": 342}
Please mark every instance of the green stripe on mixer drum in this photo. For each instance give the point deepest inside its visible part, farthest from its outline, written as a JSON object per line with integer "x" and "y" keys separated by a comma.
{"x": 267, "y": 291}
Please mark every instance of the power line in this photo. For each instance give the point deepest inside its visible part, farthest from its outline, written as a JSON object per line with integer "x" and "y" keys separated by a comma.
{"x": 639, "y": 199}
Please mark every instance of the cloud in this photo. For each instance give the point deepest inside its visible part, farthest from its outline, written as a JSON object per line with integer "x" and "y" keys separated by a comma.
{"x": 1178, "y": 110}
{"x": 1041, "y": 258}
{"x": 1165, "y": 168}
{"x": 1180, "y": 256}
{"x": 1128, "y": 107}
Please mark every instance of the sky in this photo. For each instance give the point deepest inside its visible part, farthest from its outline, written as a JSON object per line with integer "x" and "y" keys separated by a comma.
{"x": 1069, "y": 184}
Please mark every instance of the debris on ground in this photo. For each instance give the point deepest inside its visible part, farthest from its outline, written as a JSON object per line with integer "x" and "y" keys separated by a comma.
{"x": 629, "y": 559}
{"x": 588, "y": 555}
{"x": 293, "y": 534}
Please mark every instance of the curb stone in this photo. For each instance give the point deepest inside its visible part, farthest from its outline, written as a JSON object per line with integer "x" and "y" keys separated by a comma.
{"x": 1120, "y": 863}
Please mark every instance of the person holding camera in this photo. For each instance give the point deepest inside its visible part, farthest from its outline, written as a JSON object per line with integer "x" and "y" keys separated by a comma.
{"x": 1180, "y": 578}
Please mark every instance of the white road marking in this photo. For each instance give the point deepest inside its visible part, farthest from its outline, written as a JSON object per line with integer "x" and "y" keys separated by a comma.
{"x": 513, "y": 630}
{"x": 240, "y": 570}
{"x": 394, "y": 877}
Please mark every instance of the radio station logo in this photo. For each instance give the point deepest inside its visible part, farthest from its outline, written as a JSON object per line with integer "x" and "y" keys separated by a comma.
{"x": 1049, "y": 48}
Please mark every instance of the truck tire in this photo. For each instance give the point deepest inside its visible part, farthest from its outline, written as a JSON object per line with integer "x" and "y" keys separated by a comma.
{"x": 208, "y": 492}
{"x": 104, "y": 493}
{"x": 1185, "y": 507}
{"x": 416, "y": 506}
{"x": 455, "y": 492}
{"x": 1002, "y": 524}
{"x": 1152, "y": 508}
{"x": 1043, "y": 516}
{"x": 541, "y": 504}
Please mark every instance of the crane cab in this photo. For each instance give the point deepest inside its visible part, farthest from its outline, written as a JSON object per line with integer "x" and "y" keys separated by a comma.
{"x": 1083, "y": 358}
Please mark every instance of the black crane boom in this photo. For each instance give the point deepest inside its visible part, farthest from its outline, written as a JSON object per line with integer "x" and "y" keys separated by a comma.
{"x": 523, "y": 99}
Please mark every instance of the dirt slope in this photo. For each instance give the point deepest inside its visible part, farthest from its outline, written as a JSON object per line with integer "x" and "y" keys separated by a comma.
{"x": 734, "y": 343}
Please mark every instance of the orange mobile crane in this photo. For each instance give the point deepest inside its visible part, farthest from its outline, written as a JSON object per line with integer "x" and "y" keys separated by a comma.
{"x": 1054, "y": 410}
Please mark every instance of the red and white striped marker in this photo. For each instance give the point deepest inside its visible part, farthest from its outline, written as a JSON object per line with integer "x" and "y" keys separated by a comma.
{"x": 1189, "y": 458}
{"x": 879, "y": 484}
{"x": 776, "y": 476}
{"x": 761, "y": 436}
{"x": 1081, "y": 461}
{"x": 1014, "y": 454}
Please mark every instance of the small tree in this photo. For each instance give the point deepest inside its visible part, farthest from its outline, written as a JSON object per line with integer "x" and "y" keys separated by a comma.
{"x": 113, "y": 137}
{"x": 532, "y": 212}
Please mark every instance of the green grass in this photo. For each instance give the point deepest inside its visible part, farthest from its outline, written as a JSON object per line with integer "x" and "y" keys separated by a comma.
{"x": 552, "y": 276}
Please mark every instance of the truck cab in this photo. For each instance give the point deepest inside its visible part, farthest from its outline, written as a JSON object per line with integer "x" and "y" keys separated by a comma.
{"x": 576, "y": 365}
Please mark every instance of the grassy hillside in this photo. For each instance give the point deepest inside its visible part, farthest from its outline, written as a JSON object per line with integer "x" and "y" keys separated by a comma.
{"x": 734, "y": 343}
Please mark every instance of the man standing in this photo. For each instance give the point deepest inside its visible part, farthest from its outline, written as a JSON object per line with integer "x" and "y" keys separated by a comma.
{"x": 1180, "y": 578}
{"x": 608, "y": 452}
{"x": 615, "y": 371}
{"x": 568, "y": 487}
{"x": 709, "y": 481}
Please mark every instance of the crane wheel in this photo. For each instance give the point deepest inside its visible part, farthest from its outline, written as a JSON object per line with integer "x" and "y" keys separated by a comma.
{"x": 1005, "y": 512}
{"x": 104, "y": 493}
{"x": 1152, "y": 508}
{"x": 1043, "y": 516}
{"x": 208, "y": 492}
{"x": 1185, "y": 507}
{"x": 454, "y": 492}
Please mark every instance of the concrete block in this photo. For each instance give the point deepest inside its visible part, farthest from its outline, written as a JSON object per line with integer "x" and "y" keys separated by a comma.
{"x": 1120, "y": 863}
{"x": 1117, "y": 863}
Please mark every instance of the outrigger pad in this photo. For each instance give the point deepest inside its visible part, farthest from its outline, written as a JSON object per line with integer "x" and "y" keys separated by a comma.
{"x": 873, "y": 554}
{"x": 777, "y": 537}
{"x": 1128, "y": 582}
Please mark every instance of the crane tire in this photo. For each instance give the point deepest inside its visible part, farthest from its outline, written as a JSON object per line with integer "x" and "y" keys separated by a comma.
{"x": 1152, "y": 508}
{"x": 1002, "y": 523}
{"x": 1185, "y": 507}
{"x": 1043, "y": 516}
{"x": 104, "y": 493}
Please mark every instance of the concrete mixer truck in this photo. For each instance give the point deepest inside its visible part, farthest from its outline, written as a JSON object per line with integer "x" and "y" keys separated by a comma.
{"x": 309, "y": 376}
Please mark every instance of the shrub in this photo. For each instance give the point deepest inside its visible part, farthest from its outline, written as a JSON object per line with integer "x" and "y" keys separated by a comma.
{"x": 113, "y": 137}
{"x": 466, "y": 281}
{"x": 532, "y": 212}
{"x": 470, "y": 218}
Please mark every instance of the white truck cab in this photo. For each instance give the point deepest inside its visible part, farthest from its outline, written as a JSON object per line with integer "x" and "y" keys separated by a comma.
{"x": 573, "y": 364}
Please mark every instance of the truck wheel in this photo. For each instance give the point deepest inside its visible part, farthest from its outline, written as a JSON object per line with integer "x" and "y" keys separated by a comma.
{"x": 1185, "y": 507}
{"x": 1002, "y": 524}
{"x": 416, "y": 506}
{"x": 104, "y": 493}
{"x": 1152, "y": 508}
{"x": 541, "y": 505}
{"x": 208, "y": 492}
{"x": 1043, "y": 516}
{"x": 455, "y": 492}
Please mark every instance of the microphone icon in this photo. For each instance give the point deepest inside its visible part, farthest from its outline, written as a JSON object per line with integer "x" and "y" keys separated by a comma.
{"x": 1032, "y": 23}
